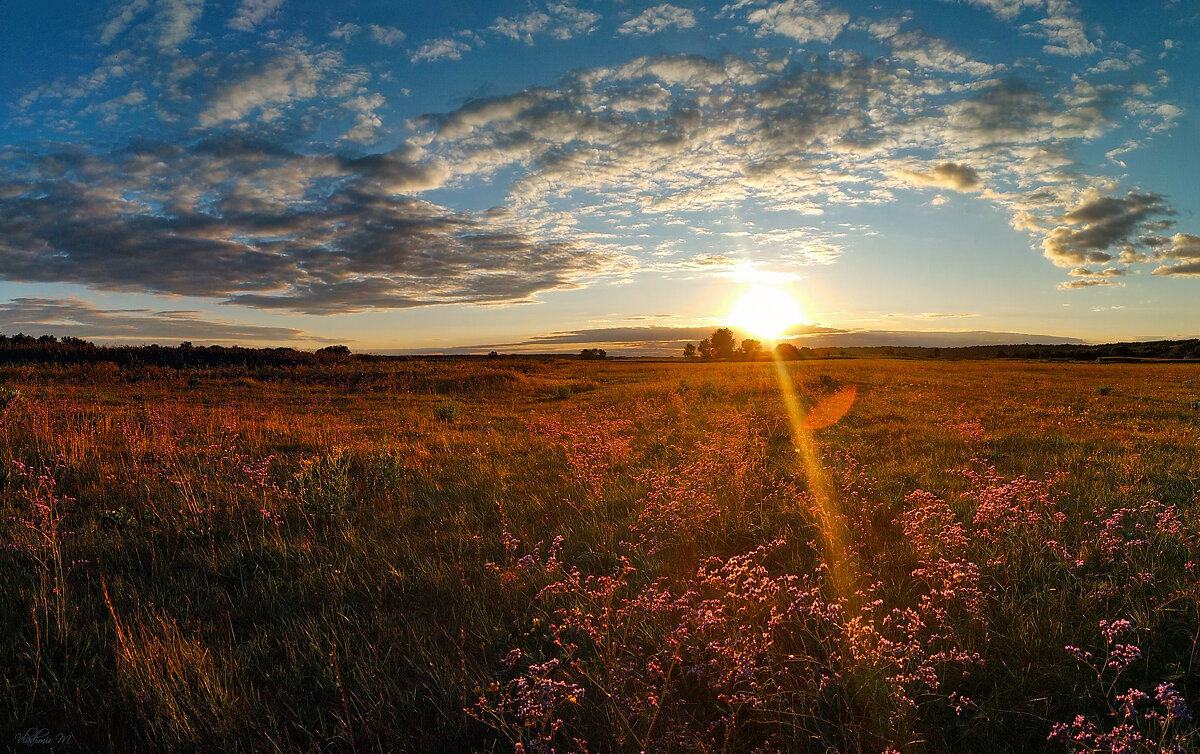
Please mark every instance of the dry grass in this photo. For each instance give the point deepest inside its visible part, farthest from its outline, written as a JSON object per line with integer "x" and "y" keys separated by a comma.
{"x": 441, "y": 555}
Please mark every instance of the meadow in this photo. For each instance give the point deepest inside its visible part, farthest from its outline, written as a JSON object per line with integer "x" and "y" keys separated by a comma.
{"x": 561, "y": 555}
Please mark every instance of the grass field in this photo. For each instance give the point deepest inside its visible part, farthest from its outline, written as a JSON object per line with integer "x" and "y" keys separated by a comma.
{"x": 512, "y": 554}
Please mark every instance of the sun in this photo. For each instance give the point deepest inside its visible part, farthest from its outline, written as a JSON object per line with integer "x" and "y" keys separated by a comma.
{"x": 765, "y": 311}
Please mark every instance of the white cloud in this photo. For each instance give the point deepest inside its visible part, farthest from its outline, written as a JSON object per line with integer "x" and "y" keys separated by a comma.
{"x": 802, "y": 20}
{"x": 561, "y": 20}
{"x": 345, "y": 32}
{"x": 388, "y": 36}
{"x": 286, "y": 78}
{"x": 176, "y": 21}
{"x": 440, "y": 49}
{"x": 121, "y": 19}
{"x": 251, "y": 13}
{"x": 169, "y": 24}
{"x": 1006, "y": 9}
{"x": 659, "y": 18}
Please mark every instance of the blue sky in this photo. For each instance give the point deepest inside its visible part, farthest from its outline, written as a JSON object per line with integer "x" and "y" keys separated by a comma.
{"x": 540, "y": 175}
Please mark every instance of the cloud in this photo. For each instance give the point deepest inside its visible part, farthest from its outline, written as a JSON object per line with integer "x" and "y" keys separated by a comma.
{"x": 77, "y": 318}
{"x": 1186, "y": 247}
{"x": 934, "y": 53}
{"x": 165, "y": 24}
{"x": 1071, "y": 285}
{"x": 1188, "y": 269}
{"x": 1063, "y": 31}
{"x": 176, "y": 22}
{"x": 440, "y": 49}
{"x": 290, "y": 76}
{"x": 668, "y": 340}
{"x": 931, "y": 315}
{"x": 659, "y": 18}
{"x": 122, "y": 18}
{"x": 672, "y": 141}
{"x": 673, "y": 134}
{"x": 388, "y": 36}
{"x": 254, "y": 224}
{"x": 251, "y": 13}
{"x": 561, "y": 20}
{"x": 1110, "y": 272}
{"x": 345, "y": 31}
{"x": 1099, "y": 224}
{"x": 802, "y": 20}
{"x": 947, "y": 175}
{"x": 1005, "y": 9}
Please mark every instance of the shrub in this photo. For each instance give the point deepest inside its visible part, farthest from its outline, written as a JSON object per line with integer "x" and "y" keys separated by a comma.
{"x": 9, "y": 396}
{"x": 448, "y": 410}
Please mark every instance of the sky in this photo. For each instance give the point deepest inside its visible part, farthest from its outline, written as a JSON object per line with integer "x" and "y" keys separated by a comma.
{"x": 540, "y": 176}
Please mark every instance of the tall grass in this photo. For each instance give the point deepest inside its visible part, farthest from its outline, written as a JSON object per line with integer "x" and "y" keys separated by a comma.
{"x": 601, "y": 557}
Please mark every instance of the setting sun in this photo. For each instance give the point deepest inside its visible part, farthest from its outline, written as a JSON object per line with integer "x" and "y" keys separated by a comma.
{"x": 765, "y": 311}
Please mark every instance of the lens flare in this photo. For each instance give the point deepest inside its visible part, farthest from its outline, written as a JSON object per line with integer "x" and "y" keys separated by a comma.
{"x": 826, "y": 508}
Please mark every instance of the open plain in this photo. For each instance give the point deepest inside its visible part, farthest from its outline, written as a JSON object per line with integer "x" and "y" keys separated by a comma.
{"x": 499, "y": 554}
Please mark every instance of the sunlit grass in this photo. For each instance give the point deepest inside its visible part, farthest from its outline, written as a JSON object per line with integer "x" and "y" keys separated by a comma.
{"x": 330, "y": 559}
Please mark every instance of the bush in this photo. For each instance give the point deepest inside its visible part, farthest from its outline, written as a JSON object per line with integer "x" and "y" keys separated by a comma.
{"x": 448, "y": 410}
{"x": 9, "y": 396}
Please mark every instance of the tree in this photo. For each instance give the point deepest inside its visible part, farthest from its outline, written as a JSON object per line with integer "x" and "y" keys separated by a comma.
{"x": 723, "y": 343}
{"x": 593, "y": 353}
{"x": 751, "y": 349}
{"x": 706, "y": 349}
{"x": 335, "y": 353}
{"x": 689, "y": 351}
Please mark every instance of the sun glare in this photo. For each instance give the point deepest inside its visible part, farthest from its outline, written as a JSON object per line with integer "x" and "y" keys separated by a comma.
{"x": 766, "y": 312}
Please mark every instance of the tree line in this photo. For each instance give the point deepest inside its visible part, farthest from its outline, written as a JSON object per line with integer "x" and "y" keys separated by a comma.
{"x": 723, "y": 346}
{"x": 48, "y": 349}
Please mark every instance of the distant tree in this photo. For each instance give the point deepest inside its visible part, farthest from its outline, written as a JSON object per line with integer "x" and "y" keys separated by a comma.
{"x": 334, "y": 352}
{"x": 689, "y": 351}
{"x": 789, "y": 352}
{"x": 724, "y": 345}
{"x": 706, "y": 349}
{"x": 751, "y": 349}
{"x": 186, "y": 344}
{"x": 593, "y": 353}
{"x": 493, "y": 354}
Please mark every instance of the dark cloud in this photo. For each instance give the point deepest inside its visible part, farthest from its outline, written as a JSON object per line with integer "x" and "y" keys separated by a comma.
{"x": 81, "y": 319}
{"x": 1189, "y": 269}
{"x": 1186, "y": 247}
{"x": 1099, "y": 225}
{"x": 265, "y": 227}
{"x": 947, "y": 175}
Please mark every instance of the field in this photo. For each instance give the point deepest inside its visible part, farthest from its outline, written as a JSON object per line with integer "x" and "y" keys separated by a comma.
{"x": 513, "y": 554}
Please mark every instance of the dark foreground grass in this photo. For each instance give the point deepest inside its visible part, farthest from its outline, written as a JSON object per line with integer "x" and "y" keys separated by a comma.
{"x": 511, "y": 554}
